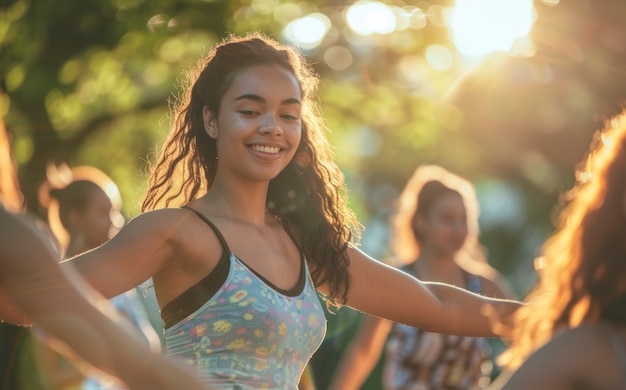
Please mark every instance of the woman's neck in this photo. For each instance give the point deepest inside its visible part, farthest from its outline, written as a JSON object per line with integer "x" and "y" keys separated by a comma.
{"x": 433, "y": 258}
{"x": 430, "y": 262}
{"x": 247, "y": 208}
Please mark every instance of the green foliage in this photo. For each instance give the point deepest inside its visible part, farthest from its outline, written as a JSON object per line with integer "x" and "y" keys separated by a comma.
{"x": 76, "y": 69}
{"x": 80, "y": 74}
{"x": 88, "y": 81}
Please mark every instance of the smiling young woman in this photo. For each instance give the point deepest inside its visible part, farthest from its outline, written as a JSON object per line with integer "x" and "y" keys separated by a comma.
{"x": 246, "y": 220}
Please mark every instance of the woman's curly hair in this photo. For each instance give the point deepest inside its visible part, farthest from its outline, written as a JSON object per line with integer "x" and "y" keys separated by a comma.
{"x": 309, "y": 194}
{"x": 583, "y": 277}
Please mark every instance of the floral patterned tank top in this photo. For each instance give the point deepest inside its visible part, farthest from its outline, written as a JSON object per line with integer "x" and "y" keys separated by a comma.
{"x": 248, "y": 334}
{"x": 419, "y": 360}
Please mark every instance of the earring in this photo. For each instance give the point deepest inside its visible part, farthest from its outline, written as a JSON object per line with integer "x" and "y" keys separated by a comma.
{"x": 303, "y": 159}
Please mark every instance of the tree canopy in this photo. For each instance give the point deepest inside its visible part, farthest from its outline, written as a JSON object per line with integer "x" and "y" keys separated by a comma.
{"x": 88, "y": 82}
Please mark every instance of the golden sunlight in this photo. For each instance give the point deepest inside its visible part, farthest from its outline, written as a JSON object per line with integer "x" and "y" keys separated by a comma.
{"x": 480, "y": 27}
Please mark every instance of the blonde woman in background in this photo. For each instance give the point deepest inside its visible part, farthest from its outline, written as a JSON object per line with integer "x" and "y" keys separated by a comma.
{"x": 434, "y": 237}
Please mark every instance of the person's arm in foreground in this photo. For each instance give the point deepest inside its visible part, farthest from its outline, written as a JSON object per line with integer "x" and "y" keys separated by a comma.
{"x": 383, "y": 291}
{"x": 361, "y": 354}
{"x": 32, "y": 281}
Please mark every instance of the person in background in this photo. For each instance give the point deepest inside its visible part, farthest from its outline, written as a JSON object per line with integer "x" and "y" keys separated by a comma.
{"x": 33, "y": 288}
{"x": 246, "y": 220}
{"x": 85, "y": 214}
{"x": 434, "y": 234}
{"x": 81, "y": 214}
{"x": 572, "y": 332}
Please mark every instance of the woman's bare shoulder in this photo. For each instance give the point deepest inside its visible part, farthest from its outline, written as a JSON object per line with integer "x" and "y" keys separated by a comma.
{"x": 178, "y": 230}
{"x": 195, "y": 247}
{"x": 574, "y": 358}
{"x": 170, "y": 213}
{"x": 168, "y": 221}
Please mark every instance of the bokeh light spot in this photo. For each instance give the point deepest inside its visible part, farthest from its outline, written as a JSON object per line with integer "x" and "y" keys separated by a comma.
{"x": 439, "y": 57}
{"x": 309, "y": 31}
{"x": 15, "y": 77}
{"x": 23, "y": 149}
{"x": 172, "y": 50}
{"x": 286, "y": 12}
{"x": 480, "y": 27}
{"x": 264, "y": 7}
{"x": 156, "y": 73}
{"x": 338, "y": 57}
{"x": 370, "y": 17}
{"x": 69, "y": 72}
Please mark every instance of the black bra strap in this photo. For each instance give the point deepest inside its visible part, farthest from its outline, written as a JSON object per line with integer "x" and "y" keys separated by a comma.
{"x": 212, "y": 226}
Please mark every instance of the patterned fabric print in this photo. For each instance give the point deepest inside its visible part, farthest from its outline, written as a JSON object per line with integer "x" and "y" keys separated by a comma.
{"x": 249, "y": 336}
{"x": 418, "y": 360}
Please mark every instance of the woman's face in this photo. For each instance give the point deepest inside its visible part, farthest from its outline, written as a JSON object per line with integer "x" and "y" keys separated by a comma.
{"x": 95, "y": 221}
{"x": 259, "y": 127}
{"x": 444, "y": 228}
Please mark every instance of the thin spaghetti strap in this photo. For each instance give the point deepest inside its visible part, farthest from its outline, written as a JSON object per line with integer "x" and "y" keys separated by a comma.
{"x": 212, "y": 226}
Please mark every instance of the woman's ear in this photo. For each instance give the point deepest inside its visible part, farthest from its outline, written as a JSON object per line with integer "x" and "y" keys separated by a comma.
{"x": 210, "y": 123}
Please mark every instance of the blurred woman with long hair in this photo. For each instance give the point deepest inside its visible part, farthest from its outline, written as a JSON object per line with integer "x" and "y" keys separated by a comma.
{"x": 572, "y": 333}
{"x": 434, "y": 236}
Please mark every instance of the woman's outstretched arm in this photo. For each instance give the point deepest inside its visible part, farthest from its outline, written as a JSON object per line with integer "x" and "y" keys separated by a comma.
{"x": 34, "y": 288}
{"x": 383, "y": 291}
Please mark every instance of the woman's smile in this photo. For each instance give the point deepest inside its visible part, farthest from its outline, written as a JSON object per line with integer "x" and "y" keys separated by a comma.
{"x": 265, "y": 149}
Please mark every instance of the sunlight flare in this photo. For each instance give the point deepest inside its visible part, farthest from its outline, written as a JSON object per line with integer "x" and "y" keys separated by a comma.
{"x": 480, "y": 27}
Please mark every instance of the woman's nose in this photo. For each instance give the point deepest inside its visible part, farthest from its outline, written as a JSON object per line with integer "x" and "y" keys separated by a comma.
{"x": 270, "y": 126}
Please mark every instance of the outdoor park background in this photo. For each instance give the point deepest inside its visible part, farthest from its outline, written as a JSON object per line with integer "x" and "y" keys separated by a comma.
{"x": 504, "y": 92}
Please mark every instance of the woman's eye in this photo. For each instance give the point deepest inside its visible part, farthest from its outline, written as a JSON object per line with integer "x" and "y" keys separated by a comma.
{"x": 248, "y": 112}
{"x": 291, "y": 117}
